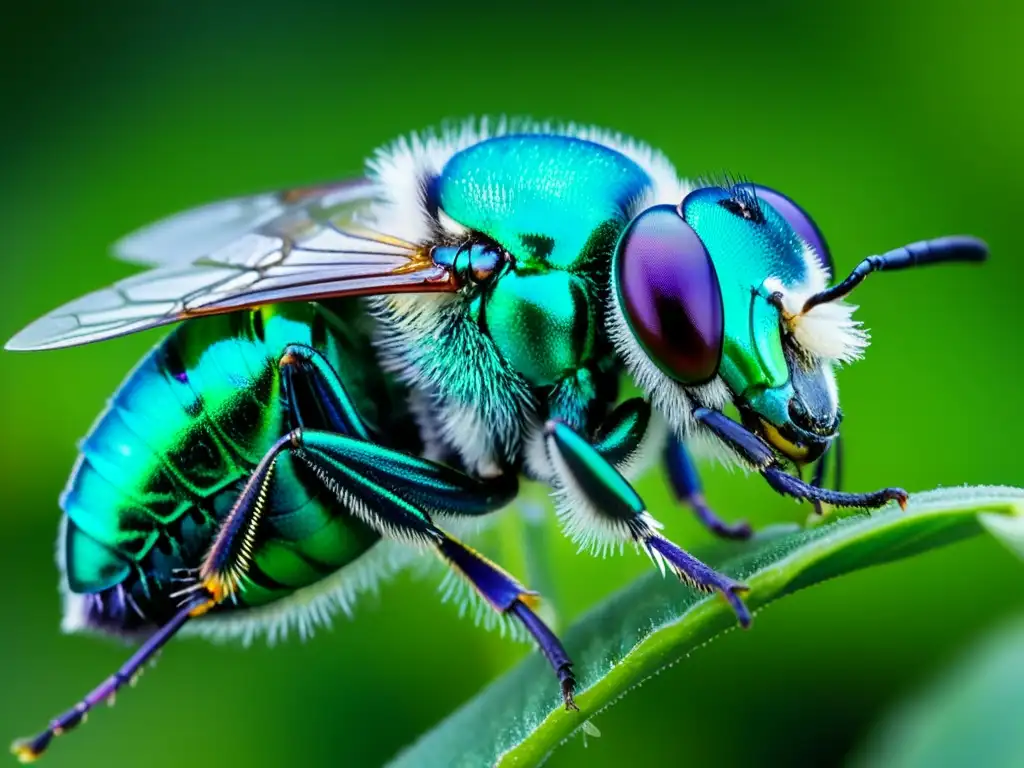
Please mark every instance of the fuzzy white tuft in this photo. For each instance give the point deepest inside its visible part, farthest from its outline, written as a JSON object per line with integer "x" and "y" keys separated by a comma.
{"x": 828, "y": 331}
{"x": 477, "y": 409}
{"x": 309, "y": 608}
{"x": 74, "y": 617}
{"x": 586, "y": 526}
{"x": 537, "y": 463}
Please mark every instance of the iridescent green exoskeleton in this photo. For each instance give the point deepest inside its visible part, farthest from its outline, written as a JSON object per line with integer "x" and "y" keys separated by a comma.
{"x": 360, "y": 366}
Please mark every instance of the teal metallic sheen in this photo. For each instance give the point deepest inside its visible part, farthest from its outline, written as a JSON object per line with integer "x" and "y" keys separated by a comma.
{"x": 254, "y": 454}
{"x": 164, "y": 464}
{"x": 543, "y": 324}
{"x": 745, "y": 254}
{"x": 772, "y": 404}
{"x": 624, "y": 431}
{"x": 545, "y": 199}
{"x": 555, "y": 204}
{"x": 597, "y": 479}
{"x": 752, "y": 357}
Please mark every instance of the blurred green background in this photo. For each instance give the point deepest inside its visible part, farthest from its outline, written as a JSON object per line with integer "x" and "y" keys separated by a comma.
{"x": 889, "y": 121}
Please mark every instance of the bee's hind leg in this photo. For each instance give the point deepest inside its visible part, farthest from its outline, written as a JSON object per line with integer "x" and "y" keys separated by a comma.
{"x": 218, "y": 577}
{"x": 686, "y": 483}
{"x": 29, "y": 750}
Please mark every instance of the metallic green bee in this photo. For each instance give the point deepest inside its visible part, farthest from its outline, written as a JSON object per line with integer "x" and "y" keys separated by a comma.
{"x": 363, "y": 365}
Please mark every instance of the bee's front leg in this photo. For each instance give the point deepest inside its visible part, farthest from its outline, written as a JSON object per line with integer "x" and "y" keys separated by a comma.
{"x": 599, "y": 508}
{"x": 761, "y": 457}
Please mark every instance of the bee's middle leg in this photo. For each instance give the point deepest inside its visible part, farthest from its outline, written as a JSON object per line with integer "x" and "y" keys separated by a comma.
{"x": 598, "y": 505}
{"x": 394, "y": 492}
{"x": 398, "y": 494}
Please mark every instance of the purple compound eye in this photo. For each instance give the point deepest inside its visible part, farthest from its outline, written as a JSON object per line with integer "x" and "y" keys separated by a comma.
{"x": 798, "y": 219}
{"x": 669, "y": 293}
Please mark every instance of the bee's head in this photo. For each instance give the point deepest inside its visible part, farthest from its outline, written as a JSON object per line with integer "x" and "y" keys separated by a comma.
{"x": 709, "y": 300}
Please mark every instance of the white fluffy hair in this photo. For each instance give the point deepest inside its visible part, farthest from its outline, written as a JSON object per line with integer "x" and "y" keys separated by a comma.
{"x": 827, "y": 331}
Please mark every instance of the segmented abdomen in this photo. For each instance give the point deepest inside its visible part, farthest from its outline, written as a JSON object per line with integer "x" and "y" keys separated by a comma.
{"x": 163, "y": 465}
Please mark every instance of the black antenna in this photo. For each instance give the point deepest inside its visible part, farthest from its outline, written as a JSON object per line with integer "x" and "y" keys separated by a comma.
{"x": 941, "y": 249}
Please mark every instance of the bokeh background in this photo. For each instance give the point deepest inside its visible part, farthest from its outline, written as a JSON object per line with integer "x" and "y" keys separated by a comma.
{"x": 889, "y": 121}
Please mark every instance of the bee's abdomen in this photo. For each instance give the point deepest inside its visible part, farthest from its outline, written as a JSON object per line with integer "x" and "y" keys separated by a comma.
{"x": 165, "y": 462}
{"x": 182, "y": 429}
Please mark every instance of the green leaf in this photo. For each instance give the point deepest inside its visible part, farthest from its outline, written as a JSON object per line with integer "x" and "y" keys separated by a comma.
{"x": 519, "y": 720}
{"x": 970, "y": 716}
{"x": 1007, "y": 529}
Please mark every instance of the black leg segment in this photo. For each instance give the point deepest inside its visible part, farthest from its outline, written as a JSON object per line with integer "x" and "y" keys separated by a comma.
{"x": 305, "y": 371}
{"x": 941, "y": 249}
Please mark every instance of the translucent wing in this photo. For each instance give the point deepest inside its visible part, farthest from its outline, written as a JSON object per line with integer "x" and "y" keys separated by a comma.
{"x": 302, "y": 244}
{"x": 195, "y": 233}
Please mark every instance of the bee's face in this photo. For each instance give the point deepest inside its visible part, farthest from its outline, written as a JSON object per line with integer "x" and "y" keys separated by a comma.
{"x": 799, "y": 418}
{"x": 711, "y": 289}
